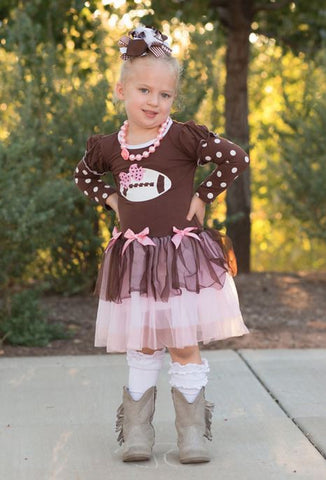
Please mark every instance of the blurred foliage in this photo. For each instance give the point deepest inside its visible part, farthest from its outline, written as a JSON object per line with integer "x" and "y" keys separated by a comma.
{"x": 59, "y": 63}
{"x": 287, "y": 91}
{"x": 23, "y": 322}
{"x": 57, "y": 104}
{"x": 299, "y": 27}
{"x": 304, "y": 161}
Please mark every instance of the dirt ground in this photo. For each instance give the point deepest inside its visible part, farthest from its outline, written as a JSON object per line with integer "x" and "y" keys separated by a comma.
{"x": 281, "y": 311}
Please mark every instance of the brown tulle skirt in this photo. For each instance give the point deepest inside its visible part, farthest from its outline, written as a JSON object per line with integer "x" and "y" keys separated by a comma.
{"x": 163, "y": 271}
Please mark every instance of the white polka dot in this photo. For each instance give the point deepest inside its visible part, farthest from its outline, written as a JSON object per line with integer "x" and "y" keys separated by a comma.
{"x": 246, "y": 159}
{"x": 197, "y": 194}
{"x": 100, "y": 181}
{"x": 234, "y": 170}
{"x": 86, "y": 192}
{"x": 233, "y": 153}
{"x": 85, "y": 172}
{"x": 106, "y": 186}
{"x": 76, "y": 180}
{"x": 204, "y": 144}
{"x": 88, "y": 180}
{"x": 208, "y": 158}
{"x": 210, "y": 195}
{"x": 77, "y": 170}
{"x": 96, "y": 199}
{"x": 230, "y": 141}
{"x": 217, "y": 140}
{"x": 219, "y": 173}
{"x": 105, "y": 195}
{"x": 236, "y": 177}
{"x": 223, "y": 184}
{"x": 218, "y": 154}
{"x": 209, "y": 184}
{"x": 227, "y": 161}
{"x": 95, "y": 189}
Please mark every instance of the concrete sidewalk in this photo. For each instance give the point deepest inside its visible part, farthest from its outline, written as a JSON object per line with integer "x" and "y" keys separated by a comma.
{"x": 57, "y": 417}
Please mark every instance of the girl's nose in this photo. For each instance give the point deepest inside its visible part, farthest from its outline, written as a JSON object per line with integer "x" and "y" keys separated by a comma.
{"x": 153, "y": 99}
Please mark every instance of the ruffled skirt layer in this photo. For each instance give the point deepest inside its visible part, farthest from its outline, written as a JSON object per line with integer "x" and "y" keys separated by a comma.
{"x": 163, "y": 296}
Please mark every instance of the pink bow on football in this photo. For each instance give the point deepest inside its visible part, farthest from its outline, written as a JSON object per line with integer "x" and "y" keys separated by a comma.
{"x": 115, "y": 235}
{"x": 141, "y": 237}
{"x": 179, "y": 234}
{"x": 134, "y": 172}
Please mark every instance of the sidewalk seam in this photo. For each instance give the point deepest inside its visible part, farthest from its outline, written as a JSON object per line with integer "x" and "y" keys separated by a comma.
{"x": 279, "y": 403}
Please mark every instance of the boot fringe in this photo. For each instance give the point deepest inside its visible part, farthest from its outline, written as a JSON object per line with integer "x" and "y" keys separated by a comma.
{"x": 209, "y": 407}
{"x": 119, "y": 424}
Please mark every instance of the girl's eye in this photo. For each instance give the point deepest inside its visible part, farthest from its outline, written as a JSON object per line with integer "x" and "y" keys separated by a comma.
{"x": 144, "y": 90}
{"x": 166, "y": 95}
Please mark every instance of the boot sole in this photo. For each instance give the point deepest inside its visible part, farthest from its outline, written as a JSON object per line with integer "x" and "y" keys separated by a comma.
{"x": 195, "y": 460}
{"x": 135, "y": 458}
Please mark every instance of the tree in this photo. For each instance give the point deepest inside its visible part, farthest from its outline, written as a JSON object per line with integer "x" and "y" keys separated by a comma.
{"x": 237, "y": 21}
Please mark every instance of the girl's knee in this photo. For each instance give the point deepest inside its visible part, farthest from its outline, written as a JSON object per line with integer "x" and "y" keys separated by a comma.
{"x": 147, "y": 351}
{"x": 185, "y": 355}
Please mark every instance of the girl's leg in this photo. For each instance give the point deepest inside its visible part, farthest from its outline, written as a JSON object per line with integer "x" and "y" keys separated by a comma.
{"x": 135, "y": 414}
{"x": 188, "y": 371}
{"x": 144, "y": 368}
{"x": 185, "y": 355}
{"x": 192, "y": 412}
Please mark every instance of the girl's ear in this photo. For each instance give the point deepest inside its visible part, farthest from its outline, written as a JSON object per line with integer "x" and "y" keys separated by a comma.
{"x": 119, "y": 90}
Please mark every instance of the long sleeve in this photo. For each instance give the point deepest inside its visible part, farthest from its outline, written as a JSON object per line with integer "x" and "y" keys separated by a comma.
{"x": 89, "y": 170}
{"x": 207, "y": 146}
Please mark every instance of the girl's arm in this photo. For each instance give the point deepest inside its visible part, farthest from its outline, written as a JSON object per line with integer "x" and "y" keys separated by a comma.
{"x": 88, "y": 175}
{"x": 204, "y": 146}
{"x": 230, "y": 159}
{"x": 112, "y": 202}
{"x": 198, "y": 208}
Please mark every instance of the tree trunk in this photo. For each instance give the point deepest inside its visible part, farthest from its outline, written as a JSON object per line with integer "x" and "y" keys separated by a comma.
{"x": 239, "y": 17}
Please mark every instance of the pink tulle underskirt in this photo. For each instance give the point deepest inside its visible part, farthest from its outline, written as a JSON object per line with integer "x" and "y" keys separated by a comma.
{"x": 184, "y": 320}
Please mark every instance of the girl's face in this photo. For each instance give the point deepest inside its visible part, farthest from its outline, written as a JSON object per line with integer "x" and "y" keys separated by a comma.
{"x": 148, "y": 92}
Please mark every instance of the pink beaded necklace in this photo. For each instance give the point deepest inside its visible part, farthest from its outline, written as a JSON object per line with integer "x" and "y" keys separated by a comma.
{"x": 123, "y": 142}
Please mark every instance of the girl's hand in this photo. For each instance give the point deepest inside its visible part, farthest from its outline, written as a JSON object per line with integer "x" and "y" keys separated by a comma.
{"x": 197, "y": 207}
{"x": 112, "y": 201}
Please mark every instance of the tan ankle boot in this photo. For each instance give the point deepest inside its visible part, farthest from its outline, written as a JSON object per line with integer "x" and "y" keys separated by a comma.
{"x": 134, "y": 424}
{"x": 193, "y": 423}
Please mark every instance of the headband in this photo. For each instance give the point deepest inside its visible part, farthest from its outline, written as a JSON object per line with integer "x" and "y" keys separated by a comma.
{"x": 144, "y": 40}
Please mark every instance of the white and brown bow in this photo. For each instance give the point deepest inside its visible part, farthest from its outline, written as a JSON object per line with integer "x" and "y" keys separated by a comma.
{"x": 142, "y": 41}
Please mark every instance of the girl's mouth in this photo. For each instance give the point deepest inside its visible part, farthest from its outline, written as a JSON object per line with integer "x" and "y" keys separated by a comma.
{"x": 150, "y": 113}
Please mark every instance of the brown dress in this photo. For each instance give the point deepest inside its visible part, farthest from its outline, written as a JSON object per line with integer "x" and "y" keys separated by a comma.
{"x": 164, "y": 280}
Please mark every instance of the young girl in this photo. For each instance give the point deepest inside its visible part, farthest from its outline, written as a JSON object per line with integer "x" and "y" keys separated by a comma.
{"x": 165, "y": 280}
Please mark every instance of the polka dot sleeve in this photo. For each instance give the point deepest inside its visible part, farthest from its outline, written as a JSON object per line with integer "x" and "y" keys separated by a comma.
{"x": 207, "y": 147}
{"x": 89, "y": 170}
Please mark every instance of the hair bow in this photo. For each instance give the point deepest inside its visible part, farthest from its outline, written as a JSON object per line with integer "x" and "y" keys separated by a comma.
{"x": 144, "y": 40}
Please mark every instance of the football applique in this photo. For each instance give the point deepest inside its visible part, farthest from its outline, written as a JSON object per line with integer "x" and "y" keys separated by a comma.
{"x": 146, "y": 186}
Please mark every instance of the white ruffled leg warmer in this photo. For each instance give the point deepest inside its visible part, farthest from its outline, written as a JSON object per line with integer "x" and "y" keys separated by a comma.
{"x": 189, "y": 379}
{"x": 143, "y": 371}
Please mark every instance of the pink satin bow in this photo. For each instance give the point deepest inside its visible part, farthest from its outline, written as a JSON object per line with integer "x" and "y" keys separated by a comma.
{"x": 141, "y": 237}
{"x": 115, "y": 235}
{"x": 179, "y": 234}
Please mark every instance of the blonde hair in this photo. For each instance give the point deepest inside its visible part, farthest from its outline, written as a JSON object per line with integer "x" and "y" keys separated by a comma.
{"x": 172, "y": 61}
